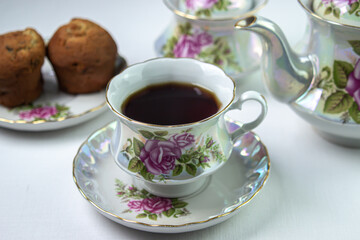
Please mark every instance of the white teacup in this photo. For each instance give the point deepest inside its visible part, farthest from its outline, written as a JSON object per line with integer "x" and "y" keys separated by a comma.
{"x": 173, "y": 161}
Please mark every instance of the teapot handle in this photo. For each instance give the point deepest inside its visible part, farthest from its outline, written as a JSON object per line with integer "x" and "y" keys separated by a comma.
{"x": 237, "y": 129}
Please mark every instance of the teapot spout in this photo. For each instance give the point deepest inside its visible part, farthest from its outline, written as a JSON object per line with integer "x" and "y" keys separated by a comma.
{"x": 287, "y": 75}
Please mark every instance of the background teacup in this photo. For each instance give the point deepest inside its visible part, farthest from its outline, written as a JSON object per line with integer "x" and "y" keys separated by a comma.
{"x": 204, "y": 30}
{"x": 173, "y": 160}
{"x": 344, "y": 12}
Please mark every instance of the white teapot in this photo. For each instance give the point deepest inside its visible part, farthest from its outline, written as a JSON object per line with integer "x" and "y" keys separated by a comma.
{"x": 322, "y": 83}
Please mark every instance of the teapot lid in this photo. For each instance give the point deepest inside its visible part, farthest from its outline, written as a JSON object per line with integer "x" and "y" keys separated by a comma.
{"x": 340, "y": 11}
{"x": 214, "y": 9}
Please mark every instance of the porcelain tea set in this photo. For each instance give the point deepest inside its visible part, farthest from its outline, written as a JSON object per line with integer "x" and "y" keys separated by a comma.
{"x": 320, "y": 81}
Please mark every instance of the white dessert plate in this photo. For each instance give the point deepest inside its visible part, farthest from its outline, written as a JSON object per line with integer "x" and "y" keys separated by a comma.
{"x": 55, "y": 109}
{"x": 112, "y": 191}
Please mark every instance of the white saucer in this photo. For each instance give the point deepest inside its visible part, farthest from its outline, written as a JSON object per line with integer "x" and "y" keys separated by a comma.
{"x": 110, "y": 190}
{"x": 70, "y": 109}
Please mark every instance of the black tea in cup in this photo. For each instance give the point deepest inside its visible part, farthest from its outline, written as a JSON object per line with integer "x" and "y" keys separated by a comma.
{"x": 171, "y": 104}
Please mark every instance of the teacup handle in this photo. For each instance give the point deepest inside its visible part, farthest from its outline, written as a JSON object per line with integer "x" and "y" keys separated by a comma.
{"x": 245, "y": 127}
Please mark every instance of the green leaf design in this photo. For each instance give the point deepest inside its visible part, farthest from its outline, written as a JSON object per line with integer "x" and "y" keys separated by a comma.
{"x": 191, "y": 169}
{"x": 161, "y": 133}
{"x": 185, "y": 158}
{"x": 178, "y": 212}
{"x": 141, "y": 215}
{"x": 185, "y": 29}
{"x": 341, "y": 72}
{"x": 180, "y": 204}
{"x": 137, "y": 145}
{"x": 337, "y": 12}
{"x": 207, "y": 12}
{"x": 169, "y": 212}
{"x": 174, "y": 200}
{"x": 353, "y": 7}
{"x": 328, "y": 10}
{"x": 135, "y": 164}
{"x": 146, "y": 175}
{"x": 153, "y": 217}
{"x": 355, "y": 112}
{"x": 338, "y": 102}
{"x": 218, "y": 5}
{"x": 143, "y": 191}
{"x": 146, "y": 134}
{"x": 128, "y": 149}
{"x": 325, "y": 73}
{"x": 356, "y": 46}
{"x": 177, "y": 170}
{"x": 160, "y": 138}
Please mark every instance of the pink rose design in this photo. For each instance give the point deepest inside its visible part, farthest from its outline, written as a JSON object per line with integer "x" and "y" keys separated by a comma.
{"x": 183, "y": 140}
{"x": 196, "y": 4}
{"x": 186, "y": 47}
{"x": 157, "y": 204}
{"x": 353, "y": 84}
{"x": 41, "y": 112}
{"x": 339, "y": 3}
{"x": 159, "y": 156}
{"x": 190, "y": 46}
{"x": 136, "y": 205}
{"x": 203, "y": 39}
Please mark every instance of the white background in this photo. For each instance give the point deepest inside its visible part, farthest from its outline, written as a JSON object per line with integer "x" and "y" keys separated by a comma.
{"x": 313, "y": 191}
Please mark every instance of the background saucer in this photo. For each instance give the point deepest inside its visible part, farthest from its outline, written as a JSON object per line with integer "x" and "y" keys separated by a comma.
{"x": 112, "y": 193}
{"x": 71, "y": 109}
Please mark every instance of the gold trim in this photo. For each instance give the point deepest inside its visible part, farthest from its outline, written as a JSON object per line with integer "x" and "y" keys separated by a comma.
{"x": 192, "y": 17}
{"x": 56, "y": 120}
{"x": 309, "y": 11}
{"x": 160, "y": 225}
{"x": 119, "y": 114}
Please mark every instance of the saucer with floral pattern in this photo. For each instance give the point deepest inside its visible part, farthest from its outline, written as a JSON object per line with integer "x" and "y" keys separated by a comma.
{"x": 116, "y": 195}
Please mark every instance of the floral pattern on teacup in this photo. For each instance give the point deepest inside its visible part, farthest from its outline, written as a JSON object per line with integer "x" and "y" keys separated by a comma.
{"x": 146, "y": 205}
{"x": 339, "y": 7}
{"x": 41, "y": 112}
{"x": 193, "y": 42}
{"x": 207, "y": 7}
{"x": 167, "y": 155}
{"x": 341, "y": 86}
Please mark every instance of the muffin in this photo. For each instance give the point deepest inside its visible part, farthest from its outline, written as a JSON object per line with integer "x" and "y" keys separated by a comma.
{"x": 83, "y": 56}
{"x": 21, "y": 57}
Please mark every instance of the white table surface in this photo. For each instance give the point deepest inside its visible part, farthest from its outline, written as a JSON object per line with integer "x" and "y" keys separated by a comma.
{"x": 313, "y": 191}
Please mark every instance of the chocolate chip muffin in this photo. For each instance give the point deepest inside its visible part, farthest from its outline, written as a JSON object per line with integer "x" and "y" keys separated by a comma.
{"x": 21, "y": 57}
{"x": 83, "y": 56}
